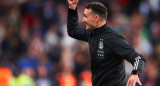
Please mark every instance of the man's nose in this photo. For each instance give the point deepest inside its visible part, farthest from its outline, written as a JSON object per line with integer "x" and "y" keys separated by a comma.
{"x": 83, "y": 20}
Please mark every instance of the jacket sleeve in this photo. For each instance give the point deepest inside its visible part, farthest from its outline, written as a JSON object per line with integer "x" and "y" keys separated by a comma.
{"x": 72, "y": 26}
{"x": 120, "y": 47}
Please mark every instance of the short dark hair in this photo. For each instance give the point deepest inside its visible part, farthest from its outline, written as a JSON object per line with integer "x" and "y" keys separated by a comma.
{"x": 98, "y": 8}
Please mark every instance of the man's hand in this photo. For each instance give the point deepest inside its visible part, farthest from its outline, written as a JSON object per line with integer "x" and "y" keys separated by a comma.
{"x": 132, "y": 80}
{"x": 73, "y": 4}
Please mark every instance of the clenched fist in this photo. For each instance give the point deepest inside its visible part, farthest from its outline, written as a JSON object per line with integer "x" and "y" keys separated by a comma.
{"x": 72, "y": 4}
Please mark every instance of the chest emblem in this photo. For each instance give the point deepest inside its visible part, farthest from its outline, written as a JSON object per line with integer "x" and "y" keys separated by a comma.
{"x": 101, "y": 44}
{"x": 100, "y": 51}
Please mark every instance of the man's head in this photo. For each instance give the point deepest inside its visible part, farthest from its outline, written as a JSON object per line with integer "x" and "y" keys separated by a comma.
{"x": 95, "y": 14}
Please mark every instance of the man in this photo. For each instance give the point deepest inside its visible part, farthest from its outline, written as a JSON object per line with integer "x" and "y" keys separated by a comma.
{"x": 108, "y": 49}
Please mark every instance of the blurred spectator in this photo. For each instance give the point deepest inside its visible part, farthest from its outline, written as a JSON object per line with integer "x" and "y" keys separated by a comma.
{"x": 52, "y": 40}
{"x": 22, "y": 80}
{"x": 37, "y": 28}
{"x": 157, "y": 58}
{"x": 155, "y": 31}
{"x": 148, "y": 78}
{"x": 27, "y": 61}
{"x": 118, "y": 19}
{"x": 66, "y": 77}
{"x": 137, "y": 34}
{"x": 155, "y": 7}
{"x": 5, "y": 73}
{"x": 86, "y": 78}
{"x": 2, "y": 33}
{"x": 24, "y": 34}
{"x": 43, "y": 79}
{"x": 50, "y": 13}
{"x": 144, "y": 8}
{"x": 81, "y": 59}
{"x": 22, "y": 77}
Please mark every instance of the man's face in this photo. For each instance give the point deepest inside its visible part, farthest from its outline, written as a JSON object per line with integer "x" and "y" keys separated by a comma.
{"x": 89, "y": 19}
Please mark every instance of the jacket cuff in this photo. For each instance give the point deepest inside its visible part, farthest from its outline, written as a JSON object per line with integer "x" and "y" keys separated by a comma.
{"x": 72, "y": 12}
{"x": 134, "y": 72}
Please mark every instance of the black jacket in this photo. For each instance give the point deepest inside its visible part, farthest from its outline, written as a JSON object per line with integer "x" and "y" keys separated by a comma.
{"x": 108, "y": 51}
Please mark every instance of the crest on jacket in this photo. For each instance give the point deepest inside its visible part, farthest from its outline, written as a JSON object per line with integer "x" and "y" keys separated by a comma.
{"x": 100, "y": 51}
{"x": 101, "y": 44}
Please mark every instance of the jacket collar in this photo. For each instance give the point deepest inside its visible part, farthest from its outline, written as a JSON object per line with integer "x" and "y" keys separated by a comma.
{"x": 98, "y": 30}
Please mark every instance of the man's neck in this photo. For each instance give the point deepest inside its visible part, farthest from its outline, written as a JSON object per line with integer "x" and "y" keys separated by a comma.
{"x": 100, "y": 24}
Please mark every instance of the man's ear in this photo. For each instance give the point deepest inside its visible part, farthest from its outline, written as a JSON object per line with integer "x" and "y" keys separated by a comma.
{"x": 97, "y": 18}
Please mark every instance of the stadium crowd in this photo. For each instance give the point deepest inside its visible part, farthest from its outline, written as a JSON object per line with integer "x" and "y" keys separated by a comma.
{"x": 35, "y": 49}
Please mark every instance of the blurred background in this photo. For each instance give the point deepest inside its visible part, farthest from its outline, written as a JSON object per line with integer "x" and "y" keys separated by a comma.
{"x": 35, "y": 49}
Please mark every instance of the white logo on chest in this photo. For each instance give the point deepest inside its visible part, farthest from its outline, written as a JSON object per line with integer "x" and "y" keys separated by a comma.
{"x": 100, "y": 51}
{"x": 101, "y": 44}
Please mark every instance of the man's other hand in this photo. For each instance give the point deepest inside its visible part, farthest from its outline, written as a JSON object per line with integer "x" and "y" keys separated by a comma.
{"x": 132, "y": 80}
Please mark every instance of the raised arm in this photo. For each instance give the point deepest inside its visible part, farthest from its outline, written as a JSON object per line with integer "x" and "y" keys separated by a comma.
{"x": 72, "y": 23}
